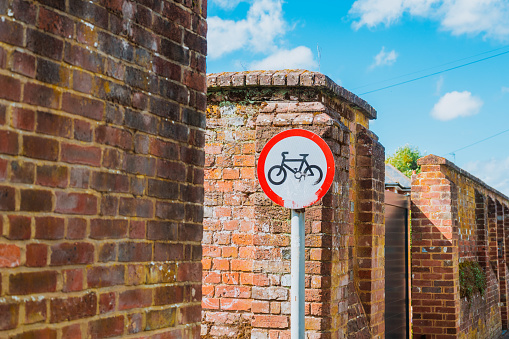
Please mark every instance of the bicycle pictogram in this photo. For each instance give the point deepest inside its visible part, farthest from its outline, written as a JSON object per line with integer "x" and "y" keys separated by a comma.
{"x": 301, "y": 172}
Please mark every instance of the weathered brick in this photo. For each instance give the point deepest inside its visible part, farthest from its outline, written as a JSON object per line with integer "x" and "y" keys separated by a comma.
{"x": 77, "y": 253}
{"x": 103, "y": 276}
{"x": 7, "y": 198}
{"x": 40, "y": 95}
{"x": 108, "y": 228}
{"x": 10, "y": 88}
{"x": 142, "y": 208}
{"x": 40, "y": 148}
{"x": 76, "y": 228}
{"x": 163, "y": 189}
{"x": 170, "y": 210}
{"x": 24, "y": 11}
{"x": 52, "y": 73}
{"x": 106, "y": 327}
{"x": 44, "y": 44}
{"x": 55, "y": 23}
{"x": 162, "y": 230}
{"x": 114, "y": 137}
{"x": 107, "y": 252}
{"x": 52, "y": 176}
{"x": 71, "y": 332}
{"x": 22, "y": 172}
{"x": 85, "y": 155}
{"x": 32, "y": 282}
{"x": 46, "y": 333}
{"x": 10, "y": 256}
{"x": 11, "y": 32}
{"x": 106, "y": 302}
{"x": 36, "y": 200}
{"x": 23, "y": 63}
{"x": 79, "y": 177}
{"x": 83, "y": 106}
{"x": 9, "y": 142}
{"x": 23, "y": 118}
{"x": 160, "y": 318}
{"x": 140, "y": 122}
{"x": 36, "y": 255}
{"x": 19, "y": 227}
{"x": 134, "y": 251}
{"x": 76, "y": 203}
{"x": 49, "y": 228}
{"x": 9, "y": 314}
{"x": 109, "y": 182}
{"x": 138, "y": 298}
{"x": 72, "y": 308}
{"x": 35, "y": 311}
{"x": 81, "y": 57}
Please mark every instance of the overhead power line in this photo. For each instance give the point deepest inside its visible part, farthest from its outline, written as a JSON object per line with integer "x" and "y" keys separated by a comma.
{"x": 478, "y": 142}
{"x": 427, "y": 69}
{"x": 436, "y": 73}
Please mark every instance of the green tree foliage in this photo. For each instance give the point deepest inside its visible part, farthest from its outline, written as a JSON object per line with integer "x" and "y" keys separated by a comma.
{"x": 405, "y": 159}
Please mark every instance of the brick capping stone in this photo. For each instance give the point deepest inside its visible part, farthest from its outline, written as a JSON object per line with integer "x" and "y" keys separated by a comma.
{"x": 436, "y": 160}
{"x": 289, "y": 78}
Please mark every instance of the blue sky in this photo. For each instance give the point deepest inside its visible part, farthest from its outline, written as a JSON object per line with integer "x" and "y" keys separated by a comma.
{"x": 369, "y": 44}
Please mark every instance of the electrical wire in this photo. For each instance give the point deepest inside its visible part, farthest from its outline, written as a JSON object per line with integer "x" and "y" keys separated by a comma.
{"x": 427, "y": 69}
{"x": 436, "y": 73}
{"x": 478, "y": 142}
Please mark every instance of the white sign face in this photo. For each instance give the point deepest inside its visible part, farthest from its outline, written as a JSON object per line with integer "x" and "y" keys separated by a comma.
{"x": 296, "y": 168}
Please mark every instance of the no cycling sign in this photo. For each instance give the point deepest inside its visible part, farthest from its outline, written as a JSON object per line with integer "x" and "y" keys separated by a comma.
{"x": 296, "y": 168}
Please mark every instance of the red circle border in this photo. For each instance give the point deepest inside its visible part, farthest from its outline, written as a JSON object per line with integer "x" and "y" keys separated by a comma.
{"x": 297, "y": 132}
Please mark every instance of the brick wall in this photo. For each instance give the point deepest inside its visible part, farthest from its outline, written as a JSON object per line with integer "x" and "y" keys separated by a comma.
{"x": 101, "y": 168}
{"x": 456, "y": 217}
{"x": 246, "y": 243}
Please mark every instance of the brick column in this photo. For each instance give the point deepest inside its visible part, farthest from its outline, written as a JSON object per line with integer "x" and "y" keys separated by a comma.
{"x": 369, "y": 229}
{"x": 435, "y": 295}
{"x": 247, "y": 236}
{"x": 502, "y": 267}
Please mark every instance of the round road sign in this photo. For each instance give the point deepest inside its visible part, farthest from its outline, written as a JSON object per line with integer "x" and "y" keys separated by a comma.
{"x": 296, "y": 168}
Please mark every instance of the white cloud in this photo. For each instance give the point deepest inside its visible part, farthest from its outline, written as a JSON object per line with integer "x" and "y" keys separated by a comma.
{"x": 298, "y": 58}
{"x": 227, "y": 4}
{"x": 505, "y": 89}
{"x": 493, "y": 172}
{"x": 257, "y": 32}
{"x": 456, "y": 104}
{"x": 384, "y": 58}
{"x": 487, "y": 17}
{"x": 375, "y": 12}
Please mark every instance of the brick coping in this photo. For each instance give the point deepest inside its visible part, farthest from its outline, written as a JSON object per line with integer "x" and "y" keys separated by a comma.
{"x": 436, "y": 160}
{"x": 289, "y": 78}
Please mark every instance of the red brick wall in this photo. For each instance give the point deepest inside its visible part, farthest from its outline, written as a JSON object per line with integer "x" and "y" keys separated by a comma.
{"x": 246, "y": 244}
{"x": 456, "y": 217}
{"x": 101, "y": 167}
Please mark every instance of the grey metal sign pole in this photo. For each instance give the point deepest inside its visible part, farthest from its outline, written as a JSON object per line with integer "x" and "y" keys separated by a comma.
{"x": 298, "y": 326}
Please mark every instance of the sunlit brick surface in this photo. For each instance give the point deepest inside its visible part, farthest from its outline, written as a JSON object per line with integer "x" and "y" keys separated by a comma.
{"x": 102, "y": 130}
{"x": 246, "y": 242}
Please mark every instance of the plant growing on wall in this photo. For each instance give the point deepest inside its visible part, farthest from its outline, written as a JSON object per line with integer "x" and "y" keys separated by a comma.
{"x": 472, "y": 279}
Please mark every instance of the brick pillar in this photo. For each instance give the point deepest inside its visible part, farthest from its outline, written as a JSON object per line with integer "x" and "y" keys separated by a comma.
{"x": 102, "y": 129}
{"x": 435, "y": 290}
{"x": 502, "y": 267}
{"x": 481, "y": 215}
{"x": 369, "y": 229}
{"x": 246, "y": 241}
